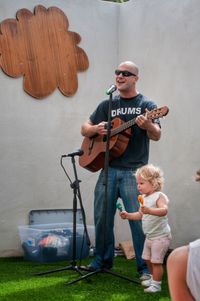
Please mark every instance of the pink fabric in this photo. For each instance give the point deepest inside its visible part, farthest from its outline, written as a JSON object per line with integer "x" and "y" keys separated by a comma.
{"x": 155, "y": 249}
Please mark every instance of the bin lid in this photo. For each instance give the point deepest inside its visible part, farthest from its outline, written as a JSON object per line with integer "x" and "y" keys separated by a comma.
{"x": 50, "y": 216}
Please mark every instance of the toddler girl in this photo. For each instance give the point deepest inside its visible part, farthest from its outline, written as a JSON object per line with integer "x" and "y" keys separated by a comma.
{"x": 153, "y": 213}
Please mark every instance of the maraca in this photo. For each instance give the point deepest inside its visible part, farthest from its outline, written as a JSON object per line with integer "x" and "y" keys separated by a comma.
{"x": 140, "y": 199}
{"x": 119, "y": 207}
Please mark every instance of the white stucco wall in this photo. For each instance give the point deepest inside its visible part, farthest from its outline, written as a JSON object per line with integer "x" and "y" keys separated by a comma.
{"x": 162, "y": 37}
{"x": 35, "y": 133}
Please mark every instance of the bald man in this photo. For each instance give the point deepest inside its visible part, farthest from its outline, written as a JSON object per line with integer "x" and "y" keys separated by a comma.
{"x": 128, "y": 104}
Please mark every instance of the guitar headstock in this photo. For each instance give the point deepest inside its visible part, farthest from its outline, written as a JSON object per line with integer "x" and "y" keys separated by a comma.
{"x": 158, "y": 113}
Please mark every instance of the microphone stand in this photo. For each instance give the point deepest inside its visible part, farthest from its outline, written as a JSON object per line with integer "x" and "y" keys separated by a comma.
{"x": 76, "y": 192}
{"x": 106, "y": 165}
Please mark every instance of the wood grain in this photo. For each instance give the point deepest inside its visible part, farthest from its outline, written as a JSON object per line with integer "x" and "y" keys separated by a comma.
{"x": 39, "y": 47}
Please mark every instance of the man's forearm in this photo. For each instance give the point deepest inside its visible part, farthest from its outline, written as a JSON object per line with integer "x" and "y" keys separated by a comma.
{"x": 154, "y": 132}
{"x": 88, "y": 129}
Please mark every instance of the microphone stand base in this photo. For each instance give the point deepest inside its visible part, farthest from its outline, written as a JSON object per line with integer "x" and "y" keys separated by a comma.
{"x": 101, "y": 270}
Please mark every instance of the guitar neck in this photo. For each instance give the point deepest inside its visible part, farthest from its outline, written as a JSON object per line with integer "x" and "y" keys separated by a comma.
{"x": 156, "y": 113}
{"x": 122, "y": 127}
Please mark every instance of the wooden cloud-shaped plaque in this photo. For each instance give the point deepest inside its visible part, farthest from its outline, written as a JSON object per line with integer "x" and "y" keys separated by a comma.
{"x": 39, "y": 47}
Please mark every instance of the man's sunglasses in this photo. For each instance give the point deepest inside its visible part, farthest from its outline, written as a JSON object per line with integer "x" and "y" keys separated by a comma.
{"x": 124, "y": 73}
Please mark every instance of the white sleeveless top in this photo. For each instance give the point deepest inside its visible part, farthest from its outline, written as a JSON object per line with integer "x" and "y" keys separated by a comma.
{"x": 193, "y": 269}
{"x": 154, "y": 226}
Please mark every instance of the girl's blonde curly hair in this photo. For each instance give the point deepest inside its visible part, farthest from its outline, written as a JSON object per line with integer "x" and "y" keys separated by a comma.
{"x": 152, "y": 174}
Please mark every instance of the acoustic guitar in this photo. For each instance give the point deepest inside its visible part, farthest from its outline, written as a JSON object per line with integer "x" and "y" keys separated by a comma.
{"x": 94, "y": 148}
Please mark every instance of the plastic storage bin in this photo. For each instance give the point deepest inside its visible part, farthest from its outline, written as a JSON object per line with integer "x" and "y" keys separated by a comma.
{"x": 54, "y": 242}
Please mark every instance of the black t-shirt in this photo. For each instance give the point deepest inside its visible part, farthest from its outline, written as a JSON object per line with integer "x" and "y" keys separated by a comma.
{"x": 137, "y": 151}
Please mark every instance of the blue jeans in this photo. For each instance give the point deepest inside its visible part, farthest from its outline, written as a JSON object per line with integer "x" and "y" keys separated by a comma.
{"x": 121, "y": 183}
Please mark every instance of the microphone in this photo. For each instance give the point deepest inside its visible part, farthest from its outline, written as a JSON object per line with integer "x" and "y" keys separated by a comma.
{"x": 112, "y": 89}
{"x": 79, "y": 152}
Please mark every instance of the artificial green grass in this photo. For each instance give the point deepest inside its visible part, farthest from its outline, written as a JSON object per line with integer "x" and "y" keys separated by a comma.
{"x": 18, "y": 283}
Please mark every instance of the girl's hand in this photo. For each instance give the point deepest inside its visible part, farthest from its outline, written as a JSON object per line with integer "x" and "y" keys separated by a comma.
{"x": 123, "y": 214}
{"x": 145, "y": 209}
